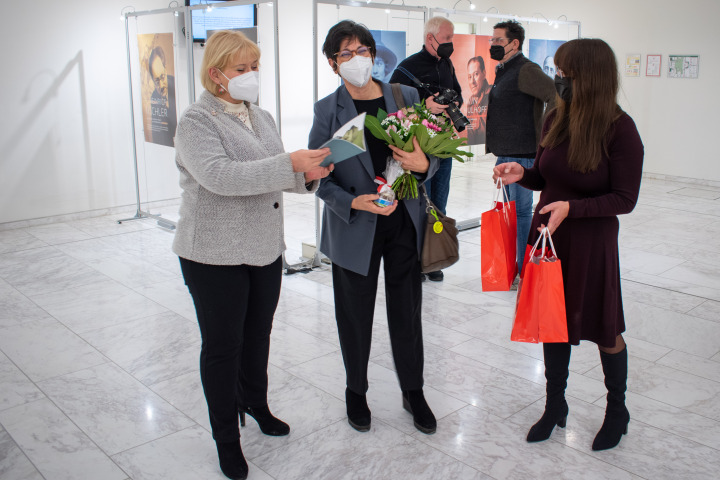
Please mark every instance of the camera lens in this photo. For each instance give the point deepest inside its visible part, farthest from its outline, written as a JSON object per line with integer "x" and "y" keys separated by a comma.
{"x": 459, "y": 120}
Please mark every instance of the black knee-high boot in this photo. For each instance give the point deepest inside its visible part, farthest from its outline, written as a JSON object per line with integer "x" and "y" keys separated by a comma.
{"x": 557, "y": 359}
{"x": 617, "y": 417}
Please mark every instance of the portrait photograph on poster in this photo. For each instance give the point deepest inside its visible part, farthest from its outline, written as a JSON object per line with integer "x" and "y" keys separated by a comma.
{"x": 475, "y": 72}
{"x": 390, "y": 47}
{"x": 542, "y": 52}
{"x": 157, "y": 92}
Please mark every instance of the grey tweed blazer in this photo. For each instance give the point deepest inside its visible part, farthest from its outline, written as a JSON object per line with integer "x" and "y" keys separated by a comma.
{"x": 232, "y": 179}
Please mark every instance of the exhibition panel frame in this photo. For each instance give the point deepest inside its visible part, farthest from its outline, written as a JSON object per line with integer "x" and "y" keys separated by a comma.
{"x": 157, "y": 158}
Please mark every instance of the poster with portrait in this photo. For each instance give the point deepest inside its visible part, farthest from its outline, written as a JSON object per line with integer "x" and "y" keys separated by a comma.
{"x": 475, "y": 72}
{"x": 542, "y": 52}
{"x": 157, "y": 91}
{"x": 390, "y": 46}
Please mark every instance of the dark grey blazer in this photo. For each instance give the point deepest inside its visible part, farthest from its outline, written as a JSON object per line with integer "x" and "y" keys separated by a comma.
{"x": 347, "y": 234}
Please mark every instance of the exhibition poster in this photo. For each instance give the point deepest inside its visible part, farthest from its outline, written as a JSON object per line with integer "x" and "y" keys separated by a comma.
{"x": 632, "y": 65}
{"x": 683, "y": 66}
{"x": 390, "y": 48}
{"x": 475, "y": 72}
{"x": 542, "y": 52}
{"x": 652, "y": 66}
{"x": 157, "y": 91}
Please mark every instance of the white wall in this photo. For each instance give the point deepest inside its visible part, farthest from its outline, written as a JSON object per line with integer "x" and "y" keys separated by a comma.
{"x": 678, "y": 118}
{"x": 65, "y": 140}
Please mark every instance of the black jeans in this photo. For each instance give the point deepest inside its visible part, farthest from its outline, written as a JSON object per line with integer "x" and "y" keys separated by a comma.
{"x": 395, "y": 244}
{"x": 235, "y": 307}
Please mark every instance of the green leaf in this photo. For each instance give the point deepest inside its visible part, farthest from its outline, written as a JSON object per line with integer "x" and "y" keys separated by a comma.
{"x": 373, "y": 124}
{"x": 423, "y": 138}
{"x": 381, "y": 115}
{"x": 409, "y": 144}
{"x": 396, "y": 140}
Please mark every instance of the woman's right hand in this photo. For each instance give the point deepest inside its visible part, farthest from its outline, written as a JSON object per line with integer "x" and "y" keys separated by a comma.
{"x": 366, "y": 202}
{"x": 306, "y": 160}
{"x": 510, "y": 172}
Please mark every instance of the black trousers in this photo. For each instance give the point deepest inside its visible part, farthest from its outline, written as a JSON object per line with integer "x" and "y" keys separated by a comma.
{"x": 395, "y": 244}
{"x": 235, "y": 307}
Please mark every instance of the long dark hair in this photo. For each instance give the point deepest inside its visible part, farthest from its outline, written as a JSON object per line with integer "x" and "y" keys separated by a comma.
{"x": 588, "y": 118}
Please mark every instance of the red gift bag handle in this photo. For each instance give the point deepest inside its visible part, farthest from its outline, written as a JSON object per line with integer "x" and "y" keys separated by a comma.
{"x": 544, "y": 234}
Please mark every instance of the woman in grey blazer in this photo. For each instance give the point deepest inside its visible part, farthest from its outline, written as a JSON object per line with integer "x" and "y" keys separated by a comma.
{"x": 357, "y": 234}
{"x": 229, "y": 237}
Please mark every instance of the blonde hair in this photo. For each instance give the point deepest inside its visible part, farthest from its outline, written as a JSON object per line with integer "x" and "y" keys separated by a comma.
{"x": 433, "y": 25}
{"x": 220, "y": 49}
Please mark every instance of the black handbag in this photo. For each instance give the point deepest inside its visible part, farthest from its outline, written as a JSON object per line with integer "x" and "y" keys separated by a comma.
{"x": 440, "y": 247}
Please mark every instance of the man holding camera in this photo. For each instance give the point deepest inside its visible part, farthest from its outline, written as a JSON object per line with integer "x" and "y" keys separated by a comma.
{"x": 519, "y": 98}
{"x": 432, "y": 66}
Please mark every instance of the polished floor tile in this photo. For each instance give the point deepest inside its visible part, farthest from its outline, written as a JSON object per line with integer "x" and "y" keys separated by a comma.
{"x": 55, "y": 445}
{"x": 99, "y": 352}
{"x": 114, "y": 409}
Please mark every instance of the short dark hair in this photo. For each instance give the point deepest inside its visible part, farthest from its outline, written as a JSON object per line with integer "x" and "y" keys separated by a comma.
{"x": 480, "y": 60}
{"x": 513, "y": 31}
{"x": 156, "y": 52}
{"x": 347, "y": 29}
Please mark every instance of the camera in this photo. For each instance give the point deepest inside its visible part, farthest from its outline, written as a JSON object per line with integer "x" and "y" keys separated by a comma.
{"x": 448, "y": 96}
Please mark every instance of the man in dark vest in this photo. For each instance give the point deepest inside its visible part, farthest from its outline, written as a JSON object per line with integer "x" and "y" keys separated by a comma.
{"x": 521, "y": 95}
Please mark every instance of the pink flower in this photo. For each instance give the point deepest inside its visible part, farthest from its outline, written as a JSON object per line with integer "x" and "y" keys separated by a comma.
{"x": 400, "y": 114}
{"x": 392, "y": 128}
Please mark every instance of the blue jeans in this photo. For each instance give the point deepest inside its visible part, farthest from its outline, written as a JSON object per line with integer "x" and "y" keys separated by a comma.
{"x": 438, "y": 188}
{"x": 523, "y": 199}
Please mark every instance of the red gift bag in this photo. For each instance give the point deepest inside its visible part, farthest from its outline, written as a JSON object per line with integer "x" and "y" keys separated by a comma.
{"x": 498, "y": 244}
{"x": 540, "y": 310}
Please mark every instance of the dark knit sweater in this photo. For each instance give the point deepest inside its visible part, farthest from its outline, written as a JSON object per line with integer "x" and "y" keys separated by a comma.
{"x": 428, "y": 69}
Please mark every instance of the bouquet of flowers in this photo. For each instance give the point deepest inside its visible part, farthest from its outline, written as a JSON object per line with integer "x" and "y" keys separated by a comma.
{"x": 435, "y": 135}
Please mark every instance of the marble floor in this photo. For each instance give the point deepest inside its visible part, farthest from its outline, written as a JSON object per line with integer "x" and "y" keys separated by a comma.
{"x": 99, "y": 358}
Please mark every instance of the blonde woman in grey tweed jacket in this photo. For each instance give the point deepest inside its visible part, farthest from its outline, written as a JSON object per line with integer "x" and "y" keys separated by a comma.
{"x": 233, "y": 171}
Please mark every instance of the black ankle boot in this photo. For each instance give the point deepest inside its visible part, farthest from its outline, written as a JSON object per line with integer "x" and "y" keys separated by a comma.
{"x": 268, "y": 423}
{"x": 414, "y": 402}
{"x": 232, "y": 461}
{"x": 617, "y": 416}
{"x": 557, "y": 359}
{"x": 358, "y": 411}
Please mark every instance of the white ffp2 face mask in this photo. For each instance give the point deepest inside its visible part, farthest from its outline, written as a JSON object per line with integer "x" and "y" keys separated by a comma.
{"x": 357, "y": 70}
{"x": 244, "y": 87}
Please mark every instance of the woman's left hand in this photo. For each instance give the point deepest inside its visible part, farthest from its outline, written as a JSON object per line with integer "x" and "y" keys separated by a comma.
{"x": 415, "y": 161}
{"x": 558, "y": 212}
{"x": 319, "y": 172}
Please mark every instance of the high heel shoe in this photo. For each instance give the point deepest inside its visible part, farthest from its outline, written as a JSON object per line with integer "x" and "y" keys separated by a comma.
{"x": 358, "y": 412}
{"x": 232, "y": 460}
{"x": 545, "y": 426}
{"x": 423, "y": 418}
{"x": 268, "y": 423}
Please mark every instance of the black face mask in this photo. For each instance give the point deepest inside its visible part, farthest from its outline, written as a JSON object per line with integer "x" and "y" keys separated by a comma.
{"x": 444, "y": 50}
{"x": 563, "y": 86}
{"x": 497, "y": 52}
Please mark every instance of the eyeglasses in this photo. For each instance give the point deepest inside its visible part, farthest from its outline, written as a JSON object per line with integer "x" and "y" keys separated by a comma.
{"x": 346, "y": 55}
{"x": 159, "y": 80}
{"x": 496, "y": 40}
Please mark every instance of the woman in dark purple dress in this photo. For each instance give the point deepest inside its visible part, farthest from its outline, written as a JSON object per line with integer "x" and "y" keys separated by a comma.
{"x": 588, "y": 167}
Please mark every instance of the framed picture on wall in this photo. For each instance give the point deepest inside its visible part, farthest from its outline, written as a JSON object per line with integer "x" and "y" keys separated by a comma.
{"x": 632, "y": 65}
{"x": 652, "y": 67}
{"x": 683, "y": 66}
